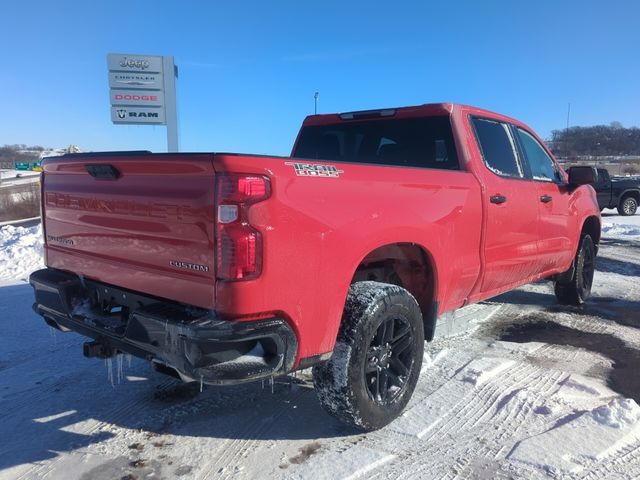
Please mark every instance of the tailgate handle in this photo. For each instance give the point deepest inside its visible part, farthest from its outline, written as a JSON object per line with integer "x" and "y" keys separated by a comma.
{"x": 103, "y": 171}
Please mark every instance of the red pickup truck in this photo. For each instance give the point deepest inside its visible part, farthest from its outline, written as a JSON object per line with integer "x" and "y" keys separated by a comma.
{"x": 222, "y": 268}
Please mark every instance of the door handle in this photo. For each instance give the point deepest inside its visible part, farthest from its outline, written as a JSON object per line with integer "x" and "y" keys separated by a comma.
{"x": 545, "y": 198}
{"x": 498, "y": 199}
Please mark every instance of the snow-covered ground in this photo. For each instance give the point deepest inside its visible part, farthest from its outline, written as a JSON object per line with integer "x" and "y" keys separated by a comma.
{"x": 536, "y": 391}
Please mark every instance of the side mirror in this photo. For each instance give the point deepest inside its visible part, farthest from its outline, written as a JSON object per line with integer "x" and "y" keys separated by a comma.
{"x": 582, "y": 176}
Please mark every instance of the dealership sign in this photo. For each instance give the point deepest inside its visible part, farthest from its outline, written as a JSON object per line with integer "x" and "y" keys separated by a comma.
{"x": 137, "y": 81}
{"x": 142, "y": 91}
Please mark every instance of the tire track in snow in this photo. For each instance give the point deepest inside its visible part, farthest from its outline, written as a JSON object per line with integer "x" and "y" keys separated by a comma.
{"x": 467, "y": 418}
{"x": 252, "y": 432}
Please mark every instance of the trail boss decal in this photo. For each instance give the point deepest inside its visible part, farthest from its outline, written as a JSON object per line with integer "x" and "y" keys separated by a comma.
{"x": 315, "y": 170}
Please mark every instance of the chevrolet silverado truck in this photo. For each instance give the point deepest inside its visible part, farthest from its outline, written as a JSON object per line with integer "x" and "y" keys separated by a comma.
{"x": 222, "y": 268}
{"x": 622, "y": 193}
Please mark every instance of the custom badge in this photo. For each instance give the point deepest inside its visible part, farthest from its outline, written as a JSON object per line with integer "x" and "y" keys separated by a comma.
{"x": 315, "y": 170}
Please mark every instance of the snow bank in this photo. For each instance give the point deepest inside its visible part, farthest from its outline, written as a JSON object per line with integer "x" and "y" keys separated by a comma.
{"x": 617, "y": 226}
{"x": 582, "y": 438}
{"x": 620, "y": 230}
{"x": 620, "y": 413}
{"x": 20, "y": 252}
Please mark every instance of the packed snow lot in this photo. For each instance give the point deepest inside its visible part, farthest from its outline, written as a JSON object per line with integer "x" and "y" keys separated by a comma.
{"x": 534, "y": 391}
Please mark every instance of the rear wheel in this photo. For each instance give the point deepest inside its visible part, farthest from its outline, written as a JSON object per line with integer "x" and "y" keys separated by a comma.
{"x": 377, "y": 358}
{"x": 578, "y": 288}
{"x": 628, "y": 206}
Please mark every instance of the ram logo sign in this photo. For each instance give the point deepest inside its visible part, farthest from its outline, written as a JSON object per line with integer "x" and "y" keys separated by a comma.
{"x": 149, "y": 115}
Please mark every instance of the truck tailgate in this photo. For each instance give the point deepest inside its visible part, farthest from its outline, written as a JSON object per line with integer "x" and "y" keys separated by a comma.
{"x": 141, "y": 221}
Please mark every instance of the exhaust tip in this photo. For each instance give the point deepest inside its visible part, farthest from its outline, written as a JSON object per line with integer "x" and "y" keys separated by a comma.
{"x": 53, "y": 324}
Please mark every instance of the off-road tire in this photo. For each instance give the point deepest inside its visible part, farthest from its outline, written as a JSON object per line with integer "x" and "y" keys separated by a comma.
{"x": 628, "y": 206}
{"x": 376, "y": 361}
{"x": 577, "y": 290}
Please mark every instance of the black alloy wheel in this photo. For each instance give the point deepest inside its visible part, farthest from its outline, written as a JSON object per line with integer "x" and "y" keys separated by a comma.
{"x": 390, "y": 360}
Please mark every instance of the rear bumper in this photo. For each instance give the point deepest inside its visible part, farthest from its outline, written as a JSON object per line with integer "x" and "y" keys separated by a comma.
{"x": 193, "y": 342}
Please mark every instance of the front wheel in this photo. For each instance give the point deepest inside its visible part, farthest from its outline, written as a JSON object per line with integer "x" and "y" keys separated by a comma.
{"x": 628, "y": 206}
{"x": 578, "y": 288}
{"x": 376, "y": 361}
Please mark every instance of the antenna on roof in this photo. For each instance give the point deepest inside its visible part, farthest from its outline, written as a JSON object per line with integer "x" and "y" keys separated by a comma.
{"x": 315, "y": 102}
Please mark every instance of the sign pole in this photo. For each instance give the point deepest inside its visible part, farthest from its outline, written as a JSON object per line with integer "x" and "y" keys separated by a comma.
{"x": 171, "y": 111}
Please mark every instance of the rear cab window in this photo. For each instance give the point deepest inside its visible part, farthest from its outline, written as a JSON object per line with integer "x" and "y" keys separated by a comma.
{"x": 425, "y": 142}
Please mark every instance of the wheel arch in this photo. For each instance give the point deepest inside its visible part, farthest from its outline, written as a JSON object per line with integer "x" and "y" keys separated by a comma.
{"x": 632, "y": 192}
{"x": 410, "y": 266}
{"x": 592, "y": 227}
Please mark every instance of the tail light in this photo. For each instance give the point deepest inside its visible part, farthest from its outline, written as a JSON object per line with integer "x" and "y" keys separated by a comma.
{"x": 239, "y": 245}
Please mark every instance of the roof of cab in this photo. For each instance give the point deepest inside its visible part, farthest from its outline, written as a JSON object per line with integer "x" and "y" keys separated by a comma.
{"x": 442, "y": 108}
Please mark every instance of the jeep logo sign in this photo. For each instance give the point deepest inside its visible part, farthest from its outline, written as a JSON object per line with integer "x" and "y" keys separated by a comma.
{"x": 134, "y": 63}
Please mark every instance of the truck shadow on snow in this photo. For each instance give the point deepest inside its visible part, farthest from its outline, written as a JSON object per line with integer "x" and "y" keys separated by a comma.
{"x": 161, "y": 411}
{"x": 54, "y": 402}
{"x": 613, "y": 265}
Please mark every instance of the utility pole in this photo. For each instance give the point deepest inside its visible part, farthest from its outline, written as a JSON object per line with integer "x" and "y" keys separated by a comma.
{"x": 566, "y": 132}
{"x": 315, "y": 102}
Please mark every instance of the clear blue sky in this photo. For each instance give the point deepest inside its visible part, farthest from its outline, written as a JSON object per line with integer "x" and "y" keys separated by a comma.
{"x": 248, "y": 70}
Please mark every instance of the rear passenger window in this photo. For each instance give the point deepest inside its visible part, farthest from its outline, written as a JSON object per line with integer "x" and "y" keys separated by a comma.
{"x": 498, "y": 148}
